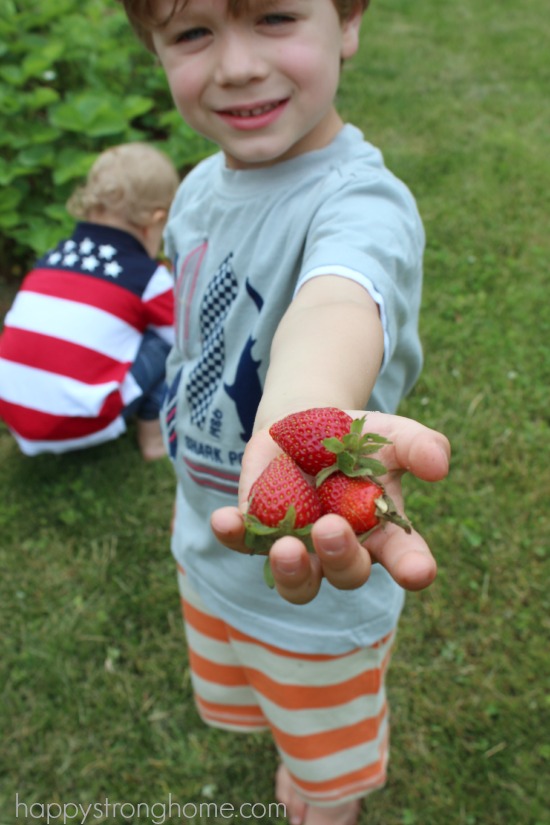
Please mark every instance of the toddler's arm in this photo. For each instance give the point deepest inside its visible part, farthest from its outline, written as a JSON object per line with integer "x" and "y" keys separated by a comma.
{"x": 327, "y": 352}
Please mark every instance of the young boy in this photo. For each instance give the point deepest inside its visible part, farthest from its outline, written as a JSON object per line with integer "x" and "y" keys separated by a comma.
{"x": 298, "y": 265}
{"x": 85, "y": 343}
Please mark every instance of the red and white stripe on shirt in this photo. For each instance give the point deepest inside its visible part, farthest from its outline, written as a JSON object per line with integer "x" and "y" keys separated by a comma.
{"x": 69, "y": 341}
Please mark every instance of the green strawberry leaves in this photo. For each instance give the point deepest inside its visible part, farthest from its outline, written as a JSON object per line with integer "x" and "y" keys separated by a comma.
{"x": 259, "y": 538}
{"x": 353, "y": 453}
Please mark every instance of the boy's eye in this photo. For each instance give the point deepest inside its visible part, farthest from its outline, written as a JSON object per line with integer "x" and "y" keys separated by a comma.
{"x": 191, "y": 35}
{"x": 277, "y": 19}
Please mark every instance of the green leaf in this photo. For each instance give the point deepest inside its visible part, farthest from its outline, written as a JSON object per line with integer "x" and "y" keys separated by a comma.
{"x": 260, "y": 538}
{"x": 41, "y": 58}
{"x": 12, "y": 75}
{"x": 346, "y": 463}
{"x": 268, "y": 574}
{"x": 6, "y": 175}
{"x": 72, "y": 164}
{"x": 324, "y": 474}
{"x": 356, "y": 425}
{"x": 32, "y": 157}
{"x": 89, "y": 113}
{"x": 134, "y": 106}
{"x": 10, "y": 200}
{"x": 333, "y": 445}
{"x": 371, "y": 467}
{"x": 41, "y": 97}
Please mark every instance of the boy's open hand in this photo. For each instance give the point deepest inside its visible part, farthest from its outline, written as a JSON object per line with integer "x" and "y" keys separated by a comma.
{"x": 339, "y": 557}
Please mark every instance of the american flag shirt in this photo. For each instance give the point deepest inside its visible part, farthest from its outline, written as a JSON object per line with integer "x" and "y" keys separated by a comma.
{"x": 72, "y": 335}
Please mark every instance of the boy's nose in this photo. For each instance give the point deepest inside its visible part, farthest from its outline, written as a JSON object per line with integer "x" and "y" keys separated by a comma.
{"x": 239, "y": 60}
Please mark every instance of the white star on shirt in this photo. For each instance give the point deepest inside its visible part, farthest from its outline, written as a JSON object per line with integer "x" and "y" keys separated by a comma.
{"x": 86, "y": 246}
{"x": 90, "y": 263}
{"x": 70, "y": 259}
{"x": 106, "y": 252}
{"x": 112, "y": 269}
{"x": 54, "y": 258}
{"x": 68, "y": 246}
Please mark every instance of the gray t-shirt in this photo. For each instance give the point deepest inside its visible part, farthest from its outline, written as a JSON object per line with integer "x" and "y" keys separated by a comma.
{"x": 243, "y": 243}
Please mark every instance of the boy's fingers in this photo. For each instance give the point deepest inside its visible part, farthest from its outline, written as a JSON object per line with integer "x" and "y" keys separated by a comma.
{"x": 228, "y": 526}
{"x": 426, "y": 454}
{"x": 406, "y": 557}
{"x": 346, "y": 564}
{"x": 296, "y": 572}
{"x": 338, "y": 557}
{"x": 416, "y": 448}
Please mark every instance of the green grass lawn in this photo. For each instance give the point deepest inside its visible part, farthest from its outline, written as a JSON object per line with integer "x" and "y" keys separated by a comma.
{"x": 96, "y": 700}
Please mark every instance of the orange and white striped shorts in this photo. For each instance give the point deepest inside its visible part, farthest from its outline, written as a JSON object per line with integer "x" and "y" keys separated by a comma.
{"x": 328, "y": 714}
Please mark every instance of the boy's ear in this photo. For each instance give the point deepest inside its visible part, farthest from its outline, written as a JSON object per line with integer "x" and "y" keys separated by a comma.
{"x": 350, "y": 32}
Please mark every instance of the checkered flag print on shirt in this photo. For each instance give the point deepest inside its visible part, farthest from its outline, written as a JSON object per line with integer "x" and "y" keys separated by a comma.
{"x": 206, "y": 375}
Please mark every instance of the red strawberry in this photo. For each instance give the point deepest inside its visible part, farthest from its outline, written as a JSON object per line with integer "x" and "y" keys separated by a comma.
{"x": 359, "y": 504}
{"x": 331, "y": 491}
{"x": 325, "y": 439}
{"x": 282, "y": 503}
{"x": 301, "y": 435}
{"x": 361, "y": 501}
{"x": 280, "y": 487}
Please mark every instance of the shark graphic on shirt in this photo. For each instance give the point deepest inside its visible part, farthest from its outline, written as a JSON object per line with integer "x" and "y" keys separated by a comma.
{"x": 206, "y": 376}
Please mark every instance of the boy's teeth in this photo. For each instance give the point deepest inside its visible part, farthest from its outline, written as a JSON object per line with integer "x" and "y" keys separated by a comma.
{"x": 259, "y": 110}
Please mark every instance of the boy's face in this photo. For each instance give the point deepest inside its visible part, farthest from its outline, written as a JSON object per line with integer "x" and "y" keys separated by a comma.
{"x": 260, "y": 85}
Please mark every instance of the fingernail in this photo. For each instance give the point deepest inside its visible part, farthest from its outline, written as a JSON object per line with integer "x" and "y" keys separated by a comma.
{"x": 444, "y": 453}
{"x": 331, "y": 543}
{"x": 287, "y": 562}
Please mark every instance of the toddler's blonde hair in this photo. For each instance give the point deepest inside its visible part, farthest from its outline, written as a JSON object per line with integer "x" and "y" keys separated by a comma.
{"x": 130, "y": 182}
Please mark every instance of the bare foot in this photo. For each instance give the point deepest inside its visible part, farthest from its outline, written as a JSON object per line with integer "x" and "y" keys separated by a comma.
{"x": 149, "y": 436}
{"x": 300, "y": 813}
{"x": 285, "y": 793}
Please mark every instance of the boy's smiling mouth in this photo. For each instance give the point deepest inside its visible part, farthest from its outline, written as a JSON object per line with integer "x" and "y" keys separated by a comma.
{"x": 252, "y": 111}
{"x": 254, "y": 115}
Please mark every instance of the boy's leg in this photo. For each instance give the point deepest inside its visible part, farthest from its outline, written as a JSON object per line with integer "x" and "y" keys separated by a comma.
{"x": 221, "y": 691}
{"x": 328, "y": 714}
{"x": 300, "y": 813}
{"x": 329, "y": 719}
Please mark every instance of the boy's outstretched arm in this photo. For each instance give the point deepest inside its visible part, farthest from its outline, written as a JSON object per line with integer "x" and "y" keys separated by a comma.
{"x": 327, "y": 352}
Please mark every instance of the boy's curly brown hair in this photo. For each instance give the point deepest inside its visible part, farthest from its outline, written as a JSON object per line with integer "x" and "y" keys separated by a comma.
{"x": 141, "y": 14}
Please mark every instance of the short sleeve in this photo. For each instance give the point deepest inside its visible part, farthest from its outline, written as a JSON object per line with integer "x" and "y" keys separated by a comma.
{"x": 369, "y": 230}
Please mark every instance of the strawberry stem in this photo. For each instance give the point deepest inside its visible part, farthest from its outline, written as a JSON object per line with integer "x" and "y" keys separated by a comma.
{"x": 387, "y": 511}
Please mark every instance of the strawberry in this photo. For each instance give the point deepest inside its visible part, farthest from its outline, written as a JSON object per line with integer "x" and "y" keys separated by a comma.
{"x": 301, "y": 435}
{"x": 280, "y": 486}
{"x": 331, "y": 491}
{"x": 323, "y": 440}
{"x": 361, "y": 501}
{"x": 360, "y": 504}
{"x": 282, "y": 502}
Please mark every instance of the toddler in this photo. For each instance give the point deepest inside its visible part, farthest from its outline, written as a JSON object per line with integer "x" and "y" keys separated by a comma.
{"x": 85, "y": 342}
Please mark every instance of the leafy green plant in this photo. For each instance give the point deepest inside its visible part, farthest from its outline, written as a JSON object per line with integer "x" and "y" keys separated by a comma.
{"x": 73, "y": 81}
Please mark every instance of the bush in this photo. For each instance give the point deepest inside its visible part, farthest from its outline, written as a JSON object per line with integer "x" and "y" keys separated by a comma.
{"x": 73, "y": 81}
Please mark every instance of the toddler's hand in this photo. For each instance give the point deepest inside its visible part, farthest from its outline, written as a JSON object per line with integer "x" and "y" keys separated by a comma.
{"x": 339, "y": 557}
